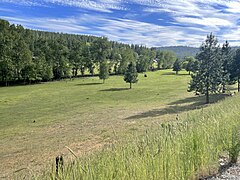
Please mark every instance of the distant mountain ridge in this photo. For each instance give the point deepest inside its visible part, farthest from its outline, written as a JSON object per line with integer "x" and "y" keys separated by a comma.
{"x": 181, "y": 51}
{"x": 184, "y": 51}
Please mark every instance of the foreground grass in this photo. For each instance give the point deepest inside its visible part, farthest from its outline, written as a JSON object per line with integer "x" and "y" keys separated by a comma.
{"x": 185, "y": 149}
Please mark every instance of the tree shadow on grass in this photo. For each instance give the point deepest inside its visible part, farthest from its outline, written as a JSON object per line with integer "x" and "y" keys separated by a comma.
{"x": 88, "y": 84}
{"x": 179, "y": 106}
{"x": 174, "y": 73}
{"x": 115, "y": 89}
{"x": 169, "y": 73}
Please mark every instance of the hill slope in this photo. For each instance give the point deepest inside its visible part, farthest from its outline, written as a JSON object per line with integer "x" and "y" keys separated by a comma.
{"x": 184, "y": 51}
{"x": 181, "y": 51}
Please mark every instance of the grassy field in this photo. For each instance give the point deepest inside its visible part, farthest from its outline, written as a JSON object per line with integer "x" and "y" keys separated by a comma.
{"x": 38, "y": 121}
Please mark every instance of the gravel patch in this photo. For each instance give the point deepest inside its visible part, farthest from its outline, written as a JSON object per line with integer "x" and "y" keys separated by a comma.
{"x": 228, "y": 173}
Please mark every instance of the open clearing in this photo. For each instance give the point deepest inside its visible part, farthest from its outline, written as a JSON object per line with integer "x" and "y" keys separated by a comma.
{"x": 38, "y": 121}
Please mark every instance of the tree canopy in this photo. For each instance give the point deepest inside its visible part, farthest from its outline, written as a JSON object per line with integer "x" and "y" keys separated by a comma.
{"x": 213, "y": 67}
{"x": 177, "y": 66}
{"x": 29, "y": 55}
{"x": 104, "y": 70}
{"x": 131, "y": 74}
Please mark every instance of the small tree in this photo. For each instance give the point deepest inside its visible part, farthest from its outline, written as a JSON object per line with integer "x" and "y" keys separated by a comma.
{"x": 104, "y": 71}
{"x": 131, "y": 74}
{"x": 177, "y": 66}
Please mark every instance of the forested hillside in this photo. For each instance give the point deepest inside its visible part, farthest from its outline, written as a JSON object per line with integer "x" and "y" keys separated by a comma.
{"x": 181, "y": 51}
{"x": 28, "y": 55}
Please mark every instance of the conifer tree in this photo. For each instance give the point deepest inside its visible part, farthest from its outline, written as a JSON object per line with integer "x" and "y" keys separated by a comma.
{"x": 226, "y": 62}
{"x": 209, "y": 76}
{"x": 131, "y": 74}
{"x": 235, "y": 68}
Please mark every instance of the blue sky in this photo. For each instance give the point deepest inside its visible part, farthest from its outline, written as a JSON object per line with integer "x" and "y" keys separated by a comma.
{"x": 146, "y": 22}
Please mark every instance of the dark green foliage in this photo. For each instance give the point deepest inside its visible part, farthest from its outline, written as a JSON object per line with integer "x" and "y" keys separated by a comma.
{"x": 191, "y": 64}
{"x": 227, "y": 56}
{"x": 104, "y": 70}
{"x": 177, "y": 66}
{"x": 131, "y": 74}
{"x": 6, "y": 61}
{"x": 209, "y": 76}
{"x": 31, "y": 56}
{"x": 100, "y": 49}
{"x": 235, "y": 68}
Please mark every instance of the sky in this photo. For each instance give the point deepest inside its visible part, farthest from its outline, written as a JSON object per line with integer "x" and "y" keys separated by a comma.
{"x": 151, "y": 23}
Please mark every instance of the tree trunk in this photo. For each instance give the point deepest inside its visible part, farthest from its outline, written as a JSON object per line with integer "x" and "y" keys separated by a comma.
{"x": 189, "y": 72}
{"x": 207, "y": 96}
{"x": 103, "y": 81}
{"x": 238, "y": 84}
{"x": 76, "y": 71}
{"x": 224, "y": 88}
{"x": 176, "y": 72}
{"x": 130, "y": 85}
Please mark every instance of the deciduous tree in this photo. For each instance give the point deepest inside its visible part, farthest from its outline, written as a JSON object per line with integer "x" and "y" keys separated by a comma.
{"x": 104, "y": 70}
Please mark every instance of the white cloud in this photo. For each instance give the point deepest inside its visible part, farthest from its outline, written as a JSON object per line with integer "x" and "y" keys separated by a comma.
{"x": 127, "y": 31}
{"x": 191, "y": 20}
{"x": 24, "y": 2}
{"x": 97, "y": 5}
{"x": 7, "y": 10}
{"x": 209, "y": 22}
{"x": 67, "y": 25}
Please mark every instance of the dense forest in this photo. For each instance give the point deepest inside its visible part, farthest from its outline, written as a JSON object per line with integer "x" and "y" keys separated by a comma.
{"x": 32, "y": 56}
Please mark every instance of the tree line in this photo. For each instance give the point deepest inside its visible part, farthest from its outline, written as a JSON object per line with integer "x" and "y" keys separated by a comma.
{"x": 32, "y": 56}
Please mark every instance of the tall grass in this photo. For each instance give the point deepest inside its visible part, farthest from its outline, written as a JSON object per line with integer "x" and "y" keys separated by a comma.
{"x": 178, "y": 150}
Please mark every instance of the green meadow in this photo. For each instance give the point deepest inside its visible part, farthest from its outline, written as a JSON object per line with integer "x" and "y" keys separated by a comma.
{"x": 38, "y": 122}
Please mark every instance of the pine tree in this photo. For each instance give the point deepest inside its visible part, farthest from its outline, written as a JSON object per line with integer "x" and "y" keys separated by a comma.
{"x": 209, "y": 76}
{"x": 131, "y": 74}
{"x": 226, "y": 62}
{"x": 235, "y": 68}
{"x": 177, "y": 66}
{"x": 104, "y": 71}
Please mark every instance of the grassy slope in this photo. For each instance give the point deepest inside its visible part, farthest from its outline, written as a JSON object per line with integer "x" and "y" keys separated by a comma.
{"x": 82, "y": 114}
